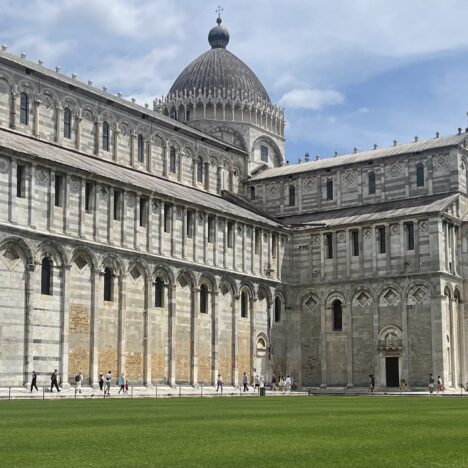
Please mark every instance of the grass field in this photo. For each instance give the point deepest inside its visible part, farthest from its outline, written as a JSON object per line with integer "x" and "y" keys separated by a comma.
{"x": 322, "y": 431}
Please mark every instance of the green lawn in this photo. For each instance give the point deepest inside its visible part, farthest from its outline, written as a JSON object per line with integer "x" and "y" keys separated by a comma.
{"x": 317, "y": 431}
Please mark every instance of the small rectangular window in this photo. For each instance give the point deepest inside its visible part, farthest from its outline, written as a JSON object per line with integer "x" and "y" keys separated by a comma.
{"x": 409, "y": 227}
{"x": 264, "y": 153}
{"x": 167, "y": 217}
{"x": 329, "y": 189}
{"x": 382, "y": 240}
{"x": 211, "y": 228}
{"x": 143, "y": 211}
{"x": 59, "y": 190}
{"x": 257, "y": 241}
{"x": 274, "y": 244}
{"x": 20, "y": 181}
{"x": 329, "y": 246}
{"x": 190, "y": 218}
{"x": 89, "y": 191}
{"x": 230, "y": 234}
{"x": 355, "y": 243}
{"x": 117, "y": 205}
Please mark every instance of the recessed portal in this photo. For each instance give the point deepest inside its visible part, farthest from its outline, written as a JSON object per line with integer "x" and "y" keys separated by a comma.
{"x": 391, "y": 368}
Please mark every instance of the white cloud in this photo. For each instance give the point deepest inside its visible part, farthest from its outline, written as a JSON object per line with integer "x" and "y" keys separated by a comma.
{"x": 314, "y": 99}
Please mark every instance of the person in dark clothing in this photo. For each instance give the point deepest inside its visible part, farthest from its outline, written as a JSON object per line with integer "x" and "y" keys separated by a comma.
{"x": 101, "y": 382}
{"x": 54, "y": 381}
{"x": 34, "y": 381}
{"x": 245, "y": 382}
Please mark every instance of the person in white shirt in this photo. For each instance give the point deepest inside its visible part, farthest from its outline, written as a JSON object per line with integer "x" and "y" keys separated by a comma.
{"x": 288, "y": 383}
{"x": 108, "y": 383}
{"x": 79, "y": 381}
{"x": 219, "y": 383}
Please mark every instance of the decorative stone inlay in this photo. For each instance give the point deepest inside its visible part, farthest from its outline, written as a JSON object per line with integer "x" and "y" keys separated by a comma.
{"x": 367, "y": 233}
{"x": 103, "y": 192}
{"x": 311, "y": 302}
{"x": 179, "y": 213}
{"x": 395, "y": 170}
{"x": 395, "y": 229}
{"x": 350, "y": 177}
{"x": 440, "y": 161}
{"x": 47, "y": 102}
{"x": 316, "y": 240}
{"x": 248, "y": 231}
{"x": 304, "y": 247}
{"x": 4, "y": 165}
{"x": 419, "y": 294}
{"x": 283, "y": 240}
{"x": 75, "y": 184}
{"x": 124, "y": 130}
{"x": 362, "y": 299}
{"x": 200, "y": 217}
{"x": 341, "y": 237}
{"x": 3, "y": 88}
{"x": 155, "y": 207}
{"x": 390, "y": 296}
{"x": 130, "y": 199}
{"x": 265, "y": 236}
{"x": 310, "y": 184}
{"x": 239, "y": 229}
{"x": 213, "y": 162}
{"x": 87, "y": 116}
{"x": 42, "y": 177}
{"x": 221, "y": 223}
{"x": 423, "y": 226}
{"x": 273, "y": 189}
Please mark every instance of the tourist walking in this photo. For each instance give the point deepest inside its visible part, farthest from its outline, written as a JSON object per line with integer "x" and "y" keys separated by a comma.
{"x": 431, "y": 384}
{"x": 281, "y": 383}
{"x": 273, "y": 383}
{"x": 440, "y": 385}
{"x": 126, "y": 386}
{"x": 54, "y": 381}
{"x": 121, "y": 382}
{"x": 78, "y": 381}
{"x": 219, "y": 383}
{"x": 101, "y": 382}
{"x": 34, "y": 381}
{"x": 288, "y": 383}
{"x": 371, "y": 384}
{"x": 245, "y": 382}
{"x": 257, "y": 382}
{"x": 108, "y": 383}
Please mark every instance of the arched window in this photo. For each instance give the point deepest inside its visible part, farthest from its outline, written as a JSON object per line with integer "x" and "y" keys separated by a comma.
{"x": 24, "y": 109}
{"x": 141, "y": 148}
{"x": 371, "y": 183}
{"x": 330, "y": 189}
{"x": 108, "y": 289}
{"x": 199, "y": 170}
{"x": 203, "y": 299}
{"x": 46, "y": 277}
{"x": 337, "y": 315}
{"x": 67, "y": 122}
{"x": 252, "y": 193}
{"x": 172, "y": 160}
{"x": 159, "y": 293}
{"x": 292, "y": 195}
{"x": 420, "y": 175}
{"x": 105, "y": 136}
{"x": 278, "y": 307}
{"x": 244, "y": 304}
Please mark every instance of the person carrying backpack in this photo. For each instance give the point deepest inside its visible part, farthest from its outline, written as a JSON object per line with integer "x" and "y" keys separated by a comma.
{"x": 78, "y": 381}
{"x": 108, "y": 383}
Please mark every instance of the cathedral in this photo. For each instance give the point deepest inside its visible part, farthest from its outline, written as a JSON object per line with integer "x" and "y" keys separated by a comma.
{"x": 173, "y": 242}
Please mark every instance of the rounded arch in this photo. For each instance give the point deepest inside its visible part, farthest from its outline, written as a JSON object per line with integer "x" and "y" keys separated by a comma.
{"x": 333, "y": 294}
{"x": 124, "y": 127}
{"x": 187, "y": 277}
{"x": 9, "y": 79}
{"x": 389, "y": 335}
{"x": 141, "y": 266}
{"x": 279, "y": 291}
{"x": 88, "y": 110}
{"x": 228, "y": 284}
{"x": 87, "y": 254}
{"x": 309, "y": 298}
{"x": 158, "y": 140}
{"x": 424, "y": 283}
{"x": 50, "y": 249}
{"x": 72, "y": 104}
{"x": 165, "y": 273}
{"x": 114, "y": 262}
{"x": 142, "y": 129}
{"x": 229, "y": 135}
{"x": 20, "y": 246}
{"x": 247, "y": 286}
{"x": 385, "y": 287}
{"x": 108, "y": 117}
{"x": 262, "y": 337}
{"x": 27, "y": 86}
{"x": 273, "y": 144}
{"x": 457, "y": 295}
{"x": 263, "y": 292}
{"x": 174, "y": 143}
{"x": 50, "y": 93}
{"x": 208, "y": 280}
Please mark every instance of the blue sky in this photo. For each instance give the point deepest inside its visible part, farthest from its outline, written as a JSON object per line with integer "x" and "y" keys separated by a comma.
{"x": 349, "y": 73}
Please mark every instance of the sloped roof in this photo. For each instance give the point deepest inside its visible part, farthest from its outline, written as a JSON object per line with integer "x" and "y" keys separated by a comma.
{"x": 29, "y": 146}
{"x": 363, "y": 156}
{"x": 374, "y": 213}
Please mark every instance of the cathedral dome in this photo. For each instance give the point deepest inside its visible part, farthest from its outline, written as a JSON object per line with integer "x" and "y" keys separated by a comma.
{"x": 219, "y": 69}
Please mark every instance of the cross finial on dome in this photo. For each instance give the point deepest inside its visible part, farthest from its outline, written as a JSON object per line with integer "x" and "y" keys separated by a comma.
{"x": 218, "y": 11}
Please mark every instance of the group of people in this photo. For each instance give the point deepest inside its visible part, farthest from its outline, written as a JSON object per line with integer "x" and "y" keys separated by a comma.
{"x": 282, "y": 384}
{"x": 440, "y": 384}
